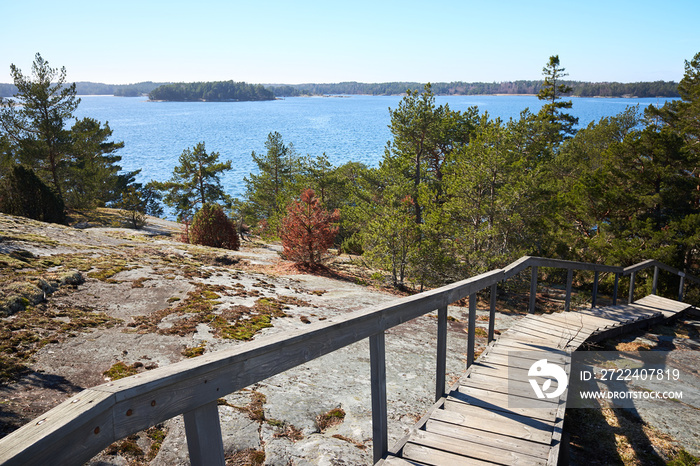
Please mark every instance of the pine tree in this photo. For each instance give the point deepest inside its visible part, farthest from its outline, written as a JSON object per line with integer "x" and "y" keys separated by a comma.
{"x": 36, "y": 126}
{"x": 195, "y": 181}
{"x": 268, "y": 192}
{"x": 552, "y": 90}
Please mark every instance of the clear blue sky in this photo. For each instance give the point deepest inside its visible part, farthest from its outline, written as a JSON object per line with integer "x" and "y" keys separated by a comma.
{"x": 127, "y": 41}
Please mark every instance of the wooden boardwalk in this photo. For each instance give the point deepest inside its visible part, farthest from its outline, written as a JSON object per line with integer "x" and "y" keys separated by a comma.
{"x": 476, "y": 423}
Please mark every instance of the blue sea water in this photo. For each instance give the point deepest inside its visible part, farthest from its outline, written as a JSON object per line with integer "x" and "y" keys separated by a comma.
{"x": 345, "y": 128}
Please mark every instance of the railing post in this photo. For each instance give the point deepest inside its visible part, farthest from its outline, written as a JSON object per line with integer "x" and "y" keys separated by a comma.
{"x": 656, "y": 279}
{"x": 441, "y": 353}
{"x": 630, "y": 299}
{"x": 203, "y": 432}
{"x": 377, "y": 362}
{"x": 471, "y": 343}
{"x": 569, "y": 281}
{"x": 680, "y": 287}
{"x": 533, "y": 289}
{"x": 595, "y": 288}
{"x": 616, "y": 288}
{"x": 492, "y": 311}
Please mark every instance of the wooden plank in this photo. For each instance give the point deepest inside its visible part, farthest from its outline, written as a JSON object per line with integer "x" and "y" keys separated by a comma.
{"x": 563, "y": 330}
{"x": 377, "y": 357}
{"x": 396, "y": 461}
{"x": 516, "y": 267}
{"x": 471, "y": 330}
{"x": 492, "y": 311}
{"x": 435, "y": 457}
{"x": 507, "y": 424}
{"x": 520, "y": 344}
{"x": 534, "y": 355}
{"x": 514, "y": 360}
{"x": 69, "y": 433}
{"x": 533, "y": 289}
{"x": 441, "y": 358}
{"x": 520, "y": 388}
{"x": 594, "y": 295}
{"x": 621, "y": 314}
{"x": 499, "y": 395}
{"x": 569, "y": 280}
{"x": 590, "y": 321}
{"x": 499, "y": 402}
{"x": 492, "y": 439}
{"x": 553, "y": 341}
{"x": 203, "y": 432}
{"x": 499, "y": 455}
{"x": 564, "y": 264}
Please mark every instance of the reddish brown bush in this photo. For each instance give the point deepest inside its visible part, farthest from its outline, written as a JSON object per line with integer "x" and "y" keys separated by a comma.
{"x": 308, "y": 230}
{"x": 211, "y": 227}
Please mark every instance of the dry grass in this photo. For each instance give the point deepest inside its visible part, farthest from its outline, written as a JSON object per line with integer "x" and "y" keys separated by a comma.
{"x": 332, "y": 418}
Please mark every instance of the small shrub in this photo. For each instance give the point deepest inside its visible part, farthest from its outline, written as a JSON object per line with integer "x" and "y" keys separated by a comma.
{"x": 352, "y": 245}
{"x": 308, "y": 230}
{"x": 211, "y": 227}
{"x": 22, "y": 193}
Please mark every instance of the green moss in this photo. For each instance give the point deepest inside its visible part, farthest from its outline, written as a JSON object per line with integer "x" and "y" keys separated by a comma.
{"x": 331, "y": 418}
{"x": 683, "y": 458}
{"x": 119, "y": 370}
{"x": 195, "y": 351}
{"x": 157, "y": 435}
{"x": 29, "y": 238}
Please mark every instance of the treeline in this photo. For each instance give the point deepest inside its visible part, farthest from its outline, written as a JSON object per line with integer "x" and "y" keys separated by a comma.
{"x": 216, "y": 91}
{"x": 193, "y": 91}
{"x": 89, "y": 88}
{"x": 459, "y": 192}
{"x": 579, "y": 89}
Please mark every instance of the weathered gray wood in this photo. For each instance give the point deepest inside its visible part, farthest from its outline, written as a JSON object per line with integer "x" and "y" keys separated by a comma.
{"x": 501, "y": 454}
{"x": 680, "y": 287}
{"x": 492, "y": 439}
{"x": 504, "y": 423}
{"x": 655, "y": 281}
{"x": 533, "y": 289}
{"x": 203, "y": 432}
{"x": 630, "y": 299}
{"x": 492, "y": 311}
{"x": 471, "y": 330}
{"x": 435, "y": 457}
{"x": 72, "y": 432}
{"x": 639, "y": 266}
{"x": 594, "y": 298}
{"x": 396, "y": 461}
{"x": 569, "y": 281}
{"x": 499, "y": 402}
{"x": 441, "y": 353}
{"x": 516, "y": 267}
{"x": 563, "y": 264}
{"x": 377, "y": 357}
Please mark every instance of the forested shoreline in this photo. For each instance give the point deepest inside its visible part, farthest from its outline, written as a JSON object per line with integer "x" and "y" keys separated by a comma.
{"x": 579, "y": 89}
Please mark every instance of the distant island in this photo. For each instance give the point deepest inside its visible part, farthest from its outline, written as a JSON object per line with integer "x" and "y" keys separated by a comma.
{"x": 232, "y": 91}
{"x": 216, "y": 91}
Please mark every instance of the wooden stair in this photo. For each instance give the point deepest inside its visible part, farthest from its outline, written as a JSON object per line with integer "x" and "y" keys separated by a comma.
{"x": 475, "y": 424}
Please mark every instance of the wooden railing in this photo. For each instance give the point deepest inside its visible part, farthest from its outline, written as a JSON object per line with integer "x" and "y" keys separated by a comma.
{"x": 78, "y": 429}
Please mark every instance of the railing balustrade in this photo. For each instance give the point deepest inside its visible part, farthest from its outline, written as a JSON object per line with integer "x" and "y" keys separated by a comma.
{"x": 81, "y": 427}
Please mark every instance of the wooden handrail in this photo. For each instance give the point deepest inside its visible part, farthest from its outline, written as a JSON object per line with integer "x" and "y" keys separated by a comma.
{"x": 79, "y": 428}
